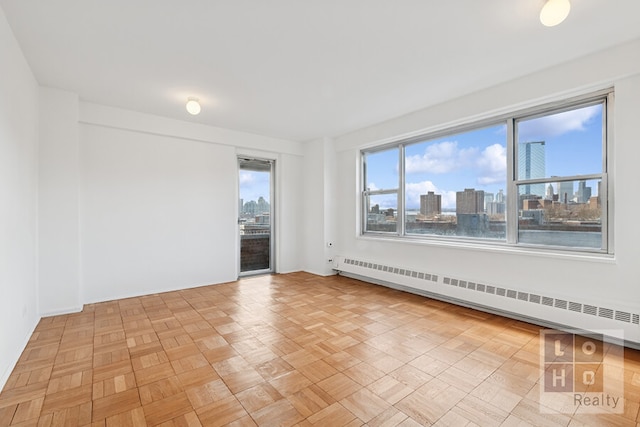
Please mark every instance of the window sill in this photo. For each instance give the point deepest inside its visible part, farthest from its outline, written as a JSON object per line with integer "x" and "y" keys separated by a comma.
{"x": 495, "y": 247}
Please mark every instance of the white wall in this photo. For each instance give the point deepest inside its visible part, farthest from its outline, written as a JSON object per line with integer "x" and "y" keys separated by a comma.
{"x": 58, "y": 203}
{"x": 289, "y": 213}
{"x": 18, "y": 201}
{"x": 159, "y": 203}
{"x": 319, "y": 206}
{"x": 157, "y": 213}
{"x": 608, "y": 282}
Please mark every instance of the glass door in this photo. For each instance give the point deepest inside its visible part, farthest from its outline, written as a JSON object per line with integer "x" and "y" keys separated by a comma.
{"x": 255, "y": 216}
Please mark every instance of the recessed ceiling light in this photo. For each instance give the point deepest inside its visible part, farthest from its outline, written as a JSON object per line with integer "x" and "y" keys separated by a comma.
{"x": 193, "y": 106}
{"x": 554, "y": 12}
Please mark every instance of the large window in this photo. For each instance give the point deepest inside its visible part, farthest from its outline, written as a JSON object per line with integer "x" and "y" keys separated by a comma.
{"x": 535, "y": 178}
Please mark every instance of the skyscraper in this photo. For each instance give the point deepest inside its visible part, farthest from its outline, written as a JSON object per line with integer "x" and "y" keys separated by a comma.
{"x": 430, "y": 204}
{"x": 531, "y": 165}
{"x": 469, "y": 201}
{"x": 584, "y": 193}
{"x": 565, "y": 191}
{"x": 550, "y": 193}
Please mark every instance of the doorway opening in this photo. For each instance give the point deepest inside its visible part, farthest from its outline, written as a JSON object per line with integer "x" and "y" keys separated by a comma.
{"x": 256, "y": 216}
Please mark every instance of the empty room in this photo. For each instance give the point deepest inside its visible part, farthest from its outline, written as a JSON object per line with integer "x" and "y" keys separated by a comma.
{"x": 319, "y": 213}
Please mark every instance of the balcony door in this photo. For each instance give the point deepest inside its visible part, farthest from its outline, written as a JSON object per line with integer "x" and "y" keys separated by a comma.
{"x": 256, "y": 215}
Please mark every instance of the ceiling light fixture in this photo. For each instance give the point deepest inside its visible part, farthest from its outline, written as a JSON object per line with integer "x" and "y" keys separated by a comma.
{"x": 554, "y": 12}
{"x": 193, "y": 106}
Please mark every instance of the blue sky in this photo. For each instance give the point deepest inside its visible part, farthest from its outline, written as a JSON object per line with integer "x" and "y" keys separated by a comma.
{"x": 477, "y": 159}
{"x": 254, "y": 185}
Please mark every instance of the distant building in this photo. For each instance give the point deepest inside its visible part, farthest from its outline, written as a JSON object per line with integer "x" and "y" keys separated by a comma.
{"x": 263, "y": 205}
{"x": 522, "y": 198}
{"x": 250, "y": 208}
{"x": 470, "y": 216}
{"x": 531, "y": 165}
{"x": 565, "y": 192}
{"x": 492, "y": 206}
{"x": 584, "y": 193}
{"x": 496, "y": 208}
{"x": 469, "y": 201}
{"x": 500, "y": 197}
{"x": 550, "y": 193}
{"x": 488, "y": 198}
{"x": 530, "y": 204}
{"x": 264, "y": 218}
{"x": 430, "y": 204}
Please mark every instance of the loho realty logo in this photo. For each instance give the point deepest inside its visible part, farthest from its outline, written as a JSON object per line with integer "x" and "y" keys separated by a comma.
{"x": 580, "y": 373}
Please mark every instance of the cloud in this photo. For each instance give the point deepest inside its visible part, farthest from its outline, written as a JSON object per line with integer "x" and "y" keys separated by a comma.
{"x": 441, "y": 157}
{"x": 246, "y": 178}
{"x": 385, "y": 201}
{"x": 372, "y": 186}
{"x": 557, "y": 124}
{"x": 492, "y": 165}
{"x": 488, "y": 164}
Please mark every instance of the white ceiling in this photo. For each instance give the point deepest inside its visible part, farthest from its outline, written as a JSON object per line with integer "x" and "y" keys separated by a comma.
{"x": 299, "y": 69}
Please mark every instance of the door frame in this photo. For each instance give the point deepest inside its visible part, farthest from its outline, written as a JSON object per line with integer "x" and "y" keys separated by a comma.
{"x": 272, "y": 216}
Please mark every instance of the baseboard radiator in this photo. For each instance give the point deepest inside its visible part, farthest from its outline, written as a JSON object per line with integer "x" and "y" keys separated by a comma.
{"x": 545, "y": 310}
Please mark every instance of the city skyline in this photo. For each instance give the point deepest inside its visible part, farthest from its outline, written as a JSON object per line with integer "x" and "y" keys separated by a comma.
{"x": 255, "y": 184}
{"x": 477, "y": 159}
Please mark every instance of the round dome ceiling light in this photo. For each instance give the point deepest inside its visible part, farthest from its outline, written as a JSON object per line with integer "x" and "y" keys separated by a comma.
{"x": 193, "y": 106}
{"x": 554, "y": 12}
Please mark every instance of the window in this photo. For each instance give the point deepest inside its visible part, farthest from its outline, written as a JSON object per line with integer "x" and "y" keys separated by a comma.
{"x": 559, "y": 179}
{"x": 533, "y": 178}
{"x": 452, "y": 183}
{"x": 382, "y": 180}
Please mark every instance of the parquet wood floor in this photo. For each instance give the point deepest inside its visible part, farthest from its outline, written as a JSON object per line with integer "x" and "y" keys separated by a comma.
{"x": 288, "y": 350}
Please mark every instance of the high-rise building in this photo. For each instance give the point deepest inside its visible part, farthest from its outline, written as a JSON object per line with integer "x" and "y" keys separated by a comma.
{"x": 488, "y": 198}
{"x": 531, "y": 165}
{"x": 497, "y": 206}
{"x": 469, "y": 201}
{"x": 565, "y": 191}
{"x": 584, "y": 193}
{"x": 430, "y": 204}
{"x": 470, "y": 216}
{"x": 550, "y": 193}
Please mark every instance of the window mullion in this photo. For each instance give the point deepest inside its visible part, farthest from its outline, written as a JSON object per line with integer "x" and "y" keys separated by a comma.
{"x": 512, "y": 188}
{"x": 401, "y": 192}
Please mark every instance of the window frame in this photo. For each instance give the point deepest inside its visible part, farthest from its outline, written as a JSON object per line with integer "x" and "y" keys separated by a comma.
{"x": 510, "y": 119}
{"x": 366, "y": 193}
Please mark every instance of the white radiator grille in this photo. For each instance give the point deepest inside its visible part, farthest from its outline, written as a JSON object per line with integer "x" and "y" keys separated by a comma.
{"x": 394, "y": 270}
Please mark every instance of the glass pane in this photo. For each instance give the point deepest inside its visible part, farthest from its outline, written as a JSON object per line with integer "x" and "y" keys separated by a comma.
{"x": 570, "y": 214}
{"x": 255, "y": 215}
{"x": 381, "y": 170}
{"x": 560, "y": 144}
{"x": 456, "y": 185}
{"x": 382, "y": 211}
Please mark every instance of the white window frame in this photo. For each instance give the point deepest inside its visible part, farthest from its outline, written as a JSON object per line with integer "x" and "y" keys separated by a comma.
{"x": 604, "y": 97}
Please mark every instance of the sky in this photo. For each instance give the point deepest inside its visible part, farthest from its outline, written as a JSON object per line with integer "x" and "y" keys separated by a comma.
{"x": 253, "y": 185}
{"x": 478, "y": 159}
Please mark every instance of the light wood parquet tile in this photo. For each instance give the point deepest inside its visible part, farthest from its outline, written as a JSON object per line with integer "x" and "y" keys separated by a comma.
{"x": 291, "y": 350}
